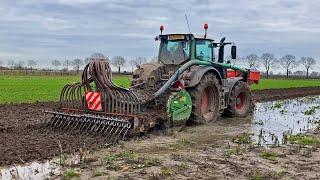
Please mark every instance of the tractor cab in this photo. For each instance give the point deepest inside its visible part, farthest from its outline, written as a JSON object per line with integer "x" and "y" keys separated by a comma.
{"x": 176, "y": 49}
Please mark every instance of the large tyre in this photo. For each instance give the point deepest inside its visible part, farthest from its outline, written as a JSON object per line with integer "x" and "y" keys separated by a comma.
{"x": 240, "y": 100}
{"x": 206, "y": 100}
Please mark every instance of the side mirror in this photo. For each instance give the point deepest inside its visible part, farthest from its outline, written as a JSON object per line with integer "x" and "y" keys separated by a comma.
{"x": 233, "y": 52}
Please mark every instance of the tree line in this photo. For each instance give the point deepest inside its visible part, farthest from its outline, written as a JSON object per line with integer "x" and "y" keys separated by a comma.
{"x": 286, "y": 62}
{"x": 65, "y": 65}
{"x": 267, "y": 61}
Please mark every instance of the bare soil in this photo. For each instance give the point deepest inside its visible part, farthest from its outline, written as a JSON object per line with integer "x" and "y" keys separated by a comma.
{"x": 192, "y": 155}
{"x": 23, "y": 140}
{"x": 278, "y": 94}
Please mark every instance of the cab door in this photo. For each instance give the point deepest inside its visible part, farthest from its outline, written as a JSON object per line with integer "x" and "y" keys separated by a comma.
{"x": 204, "y": 50}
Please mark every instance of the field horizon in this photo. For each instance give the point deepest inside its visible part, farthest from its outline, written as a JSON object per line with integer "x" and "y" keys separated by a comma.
{"x": 44, "y": 88}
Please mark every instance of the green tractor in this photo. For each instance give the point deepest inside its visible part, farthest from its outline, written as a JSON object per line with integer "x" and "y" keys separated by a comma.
{"x": 202, "y": 86}
{"x": 187, "y": 83}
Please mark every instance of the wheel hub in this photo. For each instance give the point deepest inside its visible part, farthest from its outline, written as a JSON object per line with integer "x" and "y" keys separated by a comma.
{"x": 206, "y": 101}
{"x": 240, "y": 101}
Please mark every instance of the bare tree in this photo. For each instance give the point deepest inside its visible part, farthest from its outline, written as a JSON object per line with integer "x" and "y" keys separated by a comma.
{"x": 11, "y": 64}
{"x": 288, "y": 62}
{"x": 66, "y": 64}
{"x": 1, "y": 63}
{"x": 118, "y": 61}
{"x": 252, "y": 61}
{"x": 56, "y": 64}
{"x": 308, "y": 62}
{"x": 19, "y": 65}
{"x": 133, "y": 63}
{"x": 32, "y": 64}
{"x": 228, "y": 59}
{"x": 76, "y": 64}
{"x": 268, "y": 61}
{"x": 314, "y": 73}
{"x": 140, "y": 60}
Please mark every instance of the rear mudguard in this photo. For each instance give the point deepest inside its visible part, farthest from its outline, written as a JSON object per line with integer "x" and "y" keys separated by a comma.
{"x": 195, "y": 74}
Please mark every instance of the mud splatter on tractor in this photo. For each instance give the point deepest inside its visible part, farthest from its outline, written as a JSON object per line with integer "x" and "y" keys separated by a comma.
{"x": 186, "y": 84}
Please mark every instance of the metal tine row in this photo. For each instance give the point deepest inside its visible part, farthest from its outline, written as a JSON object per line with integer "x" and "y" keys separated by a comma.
{"x": 108, "y": 127}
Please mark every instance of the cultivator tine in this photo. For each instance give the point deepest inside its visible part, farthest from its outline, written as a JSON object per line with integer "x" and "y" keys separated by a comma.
{"x": 128, "y": 126}
{"x": 84, "y": 124}
{"x": 46, "y": 119}
{"x": 95, "y": 124}
{"x": 123, "y": 127}
{"x": 53, "y": 121}
{"x": 64, "y": 123}
{"x": 87, "y": 125}
{"x": 78, "y": 123}
{"x": 61, "y": 121}
{"x": 71, "y": 121}
{"x": 105, "y": 125}
{"x": 58, "y": 120}
{"x": 109, "y": 127}
{"x": 101, "y": 125}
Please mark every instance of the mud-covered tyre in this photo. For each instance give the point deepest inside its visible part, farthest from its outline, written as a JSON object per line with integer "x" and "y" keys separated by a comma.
{"x": 240, "y": 100}
{"x": 206, "y": 100}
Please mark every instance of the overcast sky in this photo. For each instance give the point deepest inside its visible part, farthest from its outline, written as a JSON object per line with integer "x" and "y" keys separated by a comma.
{"x": 46, "y": 29}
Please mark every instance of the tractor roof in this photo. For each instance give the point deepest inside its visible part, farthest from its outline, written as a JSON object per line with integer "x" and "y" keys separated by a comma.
{"x": 180, "y": 37}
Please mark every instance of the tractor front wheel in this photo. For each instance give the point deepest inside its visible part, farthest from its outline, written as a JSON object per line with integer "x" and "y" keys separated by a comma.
{"x": 205, "y": 100}
{"x": 240, "y": 100}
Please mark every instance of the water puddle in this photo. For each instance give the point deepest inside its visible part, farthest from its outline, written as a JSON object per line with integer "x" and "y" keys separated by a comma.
{"x": 272, "y": 120}
{"x": 34, "y": 170}
{"x": 38, "y": 170}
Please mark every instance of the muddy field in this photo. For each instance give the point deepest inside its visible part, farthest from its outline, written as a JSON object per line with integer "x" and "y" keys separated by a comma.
{"x": 23, "y": 140}
{"x": 277, "y": 94}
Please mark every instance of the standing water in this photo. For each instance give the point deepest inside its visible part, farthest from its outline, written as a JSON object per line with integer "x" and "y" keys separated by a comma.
{"x": 273, "y": 120}
{"x": 33, "y": 170}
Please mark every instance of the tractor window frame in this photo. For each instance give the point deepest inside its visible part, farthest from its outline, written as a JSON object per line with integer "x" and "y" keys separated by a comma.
{"x": 212, "y": 51}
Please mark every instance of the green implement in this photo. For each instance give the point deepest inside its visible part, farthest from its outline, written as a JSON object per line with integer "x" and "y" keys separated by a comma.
{"x": 179, "y": 106}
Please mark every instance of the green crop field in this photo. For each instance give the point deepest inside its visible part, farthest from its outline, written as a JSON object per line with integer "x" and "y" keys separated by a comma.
{"x": 285, "y": 83}
{"x": 20, "y": 88}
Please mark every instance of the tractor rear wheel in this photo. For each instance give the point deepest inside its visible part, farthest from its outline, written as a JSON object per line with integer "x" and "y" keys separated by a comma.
{"x": 206, "y": 100}
{"x": 240, "y": 100}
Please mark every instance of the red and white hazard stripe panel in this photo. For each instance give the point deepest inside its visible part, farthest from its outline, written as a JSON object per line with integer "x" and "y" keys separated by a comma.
{"x": 94, "y": 101}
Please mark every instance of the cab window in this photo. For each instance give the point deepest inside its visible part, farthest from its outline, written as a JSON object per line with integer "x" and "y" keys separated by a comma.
{"x": 203, "y": 50}
{"x": 174, "y": 51}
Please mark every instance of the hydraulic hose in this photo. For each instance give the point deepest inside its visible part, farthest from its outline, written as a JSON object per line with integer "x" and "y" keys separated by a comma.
{"x": 184, "y": 67}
